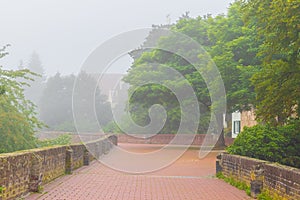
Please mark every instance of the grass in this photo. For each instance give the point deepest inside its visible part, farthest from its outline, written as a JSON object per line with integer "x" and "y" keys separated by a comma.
{"x": 264, "y": 196}
{"x": 1, "y": 191}
{"x": 238, "y": 184}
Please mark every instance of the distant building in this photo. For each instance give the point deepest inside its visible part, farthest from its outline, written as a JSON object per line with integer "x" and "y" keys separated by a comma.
{"x": 112, "y": 86}
{"x": 236, "y": 124}
{"x": 241, "y": 120}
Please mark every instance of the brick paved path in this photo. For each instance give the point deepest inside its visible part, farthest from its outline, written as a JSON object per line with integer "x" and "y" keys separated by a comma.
{"x": 188, "y": 178}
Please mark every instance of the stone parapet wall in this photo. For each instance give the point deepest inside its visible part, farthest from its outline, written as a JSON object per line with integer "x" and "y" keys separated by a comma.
{"x": 78, "y": 152}
{"x": 167, "y": 138}
{"x": 14, "y": 174}
{"x": 241, "y": 168}
{"x": 49, "y": 162}
{"x": 23, "y": 172}
{"x": 282, "y": 182}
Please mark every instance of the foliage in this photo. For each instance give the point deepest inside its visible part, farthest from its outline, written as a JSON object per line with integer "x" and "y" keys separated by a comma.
{"x": 256, "y": 49}
{"x": 233, "y": 50}
{"x": 56, "y": 103}
{"x": 230, "y": 43}
{"x": 238, "y": 184}
{"x": 35, "y": 90}
{"x": 56, "y": 106}
{"x": 264, "y": 195}
{"x": 147, "y": 95}
{"x": 64, "y": 139}
{"x": 275, "y": 144}
{"x": 18, "y": 120}
{"x": 277, "y": 83}
{"x": 267, "y": 195}
{"x": 2, "y": 189}
{"x": 112, "y": 127}
{"x": 86, "y": 89}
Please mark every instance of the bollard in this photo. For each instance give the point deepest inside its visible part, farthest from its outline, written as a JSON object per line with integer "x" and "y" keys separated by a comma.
{"x": 257, "y": 177}
{"x": 86, "y": 158}
{"x": 69, "y": 161}
{"x": 36, "y": 175}
{"x": 218, "y": 163}
{"x": 106, "y": 146}
{"x": 98, "y": 150}
{"x": 218, "y": 167}
{"x": 256, "y": 188}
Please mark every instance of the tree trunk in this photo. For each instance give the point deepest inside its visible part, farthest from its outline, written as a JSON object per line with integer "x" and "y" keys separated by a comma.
{"x": 221, "y": 140}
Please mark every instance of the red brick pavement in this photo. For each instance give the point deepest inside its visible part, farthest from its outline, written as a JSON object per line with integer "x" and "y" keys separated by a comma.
{"x": 188, "y": 178}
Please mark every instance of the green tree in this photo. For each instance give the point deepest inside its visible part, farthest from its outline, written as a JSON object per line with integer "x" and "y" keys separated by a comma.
{"x": 35, "y": 90}
{"x": 146, "y": 96}
{"x": 56, "y": 103}
{"x": 18, "y": 120}
{"x": 234, "y": 49}
{"x": 87, "y": 89}
{"x": 231, "y": 44}
{"x": 277, "y": 84}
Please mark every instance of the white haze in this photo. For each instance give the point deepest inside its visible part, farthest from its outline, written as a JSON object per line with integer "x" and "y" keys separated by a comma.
{"x": 65, "y": 32}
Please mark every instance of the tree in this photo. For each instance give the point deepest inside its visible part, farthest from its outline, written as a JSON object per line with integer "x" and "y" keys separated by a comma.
{"x": 18, "y": 120}
{"x": 56, "y": 103}
{"x": 146, "y": 96}
{"x": 35, "y": 90}
{"x": 277, "y": 84}
{"x": 231, "y": 44}
{"x": 234, "y": 49}
{"x": 89, "y": 113}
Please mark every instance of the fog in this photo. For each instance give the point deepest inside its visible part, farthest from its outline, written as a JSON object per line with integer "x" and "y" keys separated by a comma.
{"x": 57, "y": 39}
{"x": 64, "y": 33}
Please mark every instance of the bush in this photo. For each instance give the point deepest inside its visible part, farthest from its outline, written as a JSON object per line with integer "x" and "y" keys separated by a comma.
{"x": 112, "y": 127}
{"x": 275, "y": 144}
{"x": 64, "y": 139}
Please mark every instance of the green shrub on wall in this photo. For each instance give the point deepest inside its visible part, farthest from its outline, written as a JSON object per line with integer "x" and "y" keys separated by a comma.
{"x": 64, "y": 139}
{"x": 275, "y": 144}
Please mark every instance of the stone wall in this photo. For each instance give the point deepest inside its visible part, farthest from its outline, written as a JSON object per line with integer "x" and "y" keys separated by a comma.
{"x": 14, "y": 174}
{"x": 282, "y": 182}
{"x": 78, "y": 152}
{"x": 167, "y": 138}
{"x": 48, "y": 163}
{"x": 23, "y": 172}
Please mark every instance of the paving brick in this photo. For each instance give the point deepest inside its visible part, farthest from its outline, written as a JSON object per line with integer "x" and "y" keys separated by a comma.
{"x": 188, "y": 178}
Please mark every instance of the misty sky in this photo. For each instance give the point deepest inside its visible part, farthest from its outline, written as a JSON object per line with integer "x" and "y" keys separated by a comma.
{"x": 65, "y": 32}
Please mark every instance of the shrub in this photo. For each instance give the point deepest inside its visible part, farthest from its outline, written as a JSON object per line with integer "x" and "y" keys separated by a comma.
{"x": 64, "y": 139}
{"x": 275, "y": 144}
